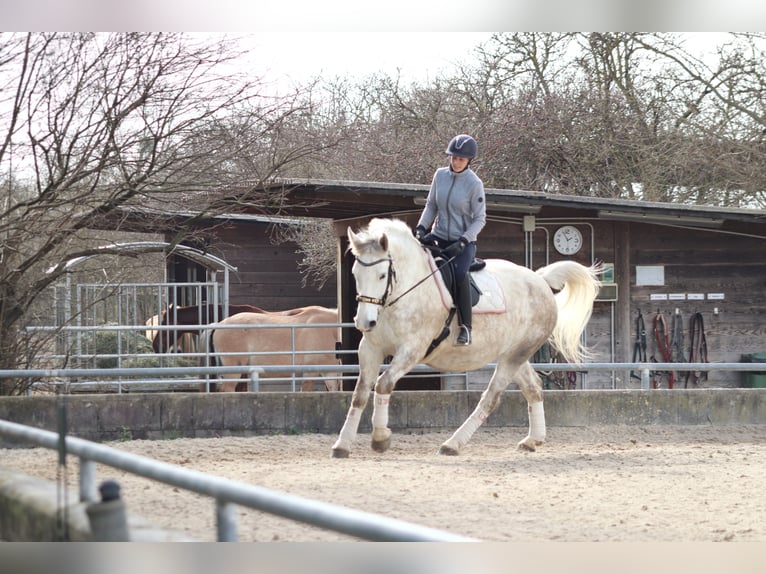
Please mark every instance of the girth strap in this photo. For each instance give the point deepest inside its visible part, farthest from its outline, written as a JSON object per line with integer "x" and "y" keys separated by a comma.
{"x": 443, "y": 335}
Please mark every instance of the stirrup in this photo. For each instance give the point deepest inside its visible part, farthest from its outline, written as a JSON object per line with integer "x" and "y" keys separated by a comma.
{"x": 464, "y": 337}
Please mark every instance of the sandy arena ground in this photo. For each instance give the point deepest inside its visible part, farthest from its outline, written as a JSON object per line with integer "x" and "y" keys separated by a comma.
{"x": 619, "y": 484}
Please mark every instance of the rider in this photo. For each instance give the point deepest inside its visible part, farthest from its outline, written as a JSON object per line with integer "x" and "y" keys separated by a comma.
{"x": 455, "y": 212}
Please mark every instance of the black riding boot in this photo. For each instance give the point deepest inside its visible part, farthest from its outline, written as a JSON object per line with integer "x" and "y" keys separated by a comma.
{"x": 464, "y": 311}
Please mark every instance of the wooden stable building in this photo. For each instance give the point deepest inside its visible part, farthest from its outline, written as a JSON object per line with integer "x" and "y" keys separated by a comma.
{"x": 266, "y": 273}
{"x": 668, "y": 262}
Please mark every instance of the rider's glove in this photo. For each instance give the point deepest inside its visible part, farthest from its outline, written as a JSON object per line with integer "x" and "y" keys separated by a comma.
{"x": 456, "y": 248}
{"x": 425, "y": 238}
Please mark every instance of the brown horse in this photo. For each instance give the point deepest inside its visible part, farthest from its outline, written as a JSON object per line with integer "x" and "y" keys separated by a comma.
{"x": 183, "y": 317}
{"x": 274, "y": 346}
{"x": 184, "y": 342}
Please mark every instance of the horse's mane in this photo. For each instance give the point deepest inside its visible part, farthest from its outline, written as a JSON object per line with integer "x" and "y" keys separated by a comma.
{"x": 379, "y": 225}
{"x": 395, "y": 230}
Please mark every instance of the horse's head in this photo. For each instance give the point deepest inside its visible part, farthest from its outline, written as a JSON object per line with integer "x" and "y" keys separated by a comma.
{"x": 373, "y": 271}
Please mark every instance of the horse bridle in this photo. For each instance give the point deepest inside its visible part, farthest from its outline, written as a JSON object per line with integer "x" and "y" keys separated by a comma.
{"x": 390, "y": 280}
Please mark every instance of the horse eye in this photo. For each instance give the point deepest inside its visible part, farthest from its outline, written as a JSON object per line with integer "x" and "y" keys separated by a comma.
{"x": 382, "y": 276}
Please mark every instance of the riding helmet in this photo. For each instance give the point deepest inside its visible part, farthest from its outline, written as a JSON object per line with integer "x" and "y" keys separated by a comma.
{"x": 463, "y": 146}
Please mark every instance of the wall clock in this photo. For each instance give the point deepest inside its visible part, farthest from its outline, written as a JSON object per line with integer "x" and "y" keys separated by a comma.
{"x": 567, "y": 240}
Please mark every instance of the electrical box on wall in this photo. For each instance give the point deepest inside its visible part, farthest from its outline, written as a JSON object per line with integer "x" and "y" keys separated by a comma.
{"x": 607, "y": 292}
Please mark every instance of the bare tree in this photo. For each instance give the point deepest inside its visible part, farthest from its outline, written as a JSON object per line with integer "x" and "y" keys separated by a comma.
{"x": 620, "y": 115}
{"x": 623, "y": 115}
{"x": 717, "y": 105}
{"x": 94, "y": 127}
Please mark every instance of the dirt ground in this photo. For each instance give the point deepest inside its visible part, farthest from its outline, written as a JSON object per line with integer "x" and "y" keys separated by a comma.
{"x": 617, "y": 483}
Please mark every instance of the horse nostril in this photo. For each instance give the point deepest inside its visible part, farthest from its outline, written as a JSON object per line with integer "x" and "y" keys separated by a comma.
{"x": 372, "y": 324}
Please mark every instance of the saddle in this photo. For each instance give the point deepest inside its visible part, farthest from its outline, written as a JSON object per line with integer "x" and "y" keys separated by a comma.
{"x": 448, "y": 274}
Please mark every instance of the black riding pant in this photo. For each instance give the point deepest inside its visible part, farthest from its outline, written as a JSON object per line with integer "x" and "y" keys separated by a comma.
{"x": 461, "y": 264}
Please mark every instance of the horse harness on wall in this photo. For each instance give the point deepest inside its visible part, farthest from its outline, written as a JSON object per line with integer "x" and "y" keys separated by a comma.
{"x": 670, "y": 346}
{"x": 639, "y": 345}
{"x": 661, "y": 336}
{"x": 697, "y": 349}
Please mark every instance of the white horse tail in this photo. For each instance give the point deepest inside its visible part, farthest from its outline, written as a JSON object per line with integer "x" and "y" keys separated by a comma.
{"x": 577, "y": 288}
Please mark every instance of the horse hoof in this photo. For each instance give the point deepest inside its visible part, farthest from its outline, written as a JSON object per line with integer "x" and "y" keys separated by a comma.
{"x": 339, "y": 453}
{"x": 381, "y": 445}
{"x": 527, "y": 446}
{"x": 448, "y": 451}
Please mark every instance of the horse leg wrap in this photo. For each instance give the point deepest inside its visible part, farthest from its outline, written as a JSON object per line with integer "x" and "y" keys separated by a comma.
{"x": 537, "y": 421}
{"x": 466, "y": 430}
{"x": 348, "y": 432}
{"x": 381, "y": 434}
{"x": 380, "y": 410}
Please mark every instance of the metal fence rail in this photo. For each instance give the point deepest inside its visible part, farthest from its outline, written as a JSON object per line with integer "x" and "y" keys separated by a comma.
{"x": 141, "y": 374}
{"x": 125, "y": 353}
{"x": 185, "y": 375}
{"x": 229, "y": 493}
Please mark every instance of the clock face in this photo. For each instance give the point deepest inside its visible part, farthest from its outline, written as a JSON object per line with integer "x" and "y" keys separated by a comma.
{"x": 567, "y": 240}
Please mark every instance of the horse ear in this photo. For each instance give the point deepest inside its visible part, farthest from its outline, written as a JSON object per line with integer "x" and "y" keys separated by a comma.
{"x": 384, "y": 242}
{"x": 351, "y": 235}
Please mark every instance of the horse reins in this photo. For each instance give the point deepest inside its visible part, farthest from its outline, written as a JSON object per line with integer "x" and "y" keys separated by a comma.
{"x": 390, "y": 280}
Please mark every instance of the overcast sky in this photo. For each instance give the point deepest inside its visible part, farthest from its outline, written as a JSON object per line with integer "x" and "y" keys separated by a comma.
{"x": 293, "y": 58}
{"x": 415, "y": 55}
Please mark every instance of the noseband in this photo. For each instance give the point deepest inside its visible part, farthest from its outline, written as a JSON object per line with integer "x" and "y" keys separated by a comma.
{"x": 389, "y": 281}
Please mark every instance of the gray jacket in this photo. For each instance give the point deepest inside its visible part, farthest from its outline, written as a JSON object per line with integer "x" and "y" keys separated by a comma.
{"x": 455, "y": 205}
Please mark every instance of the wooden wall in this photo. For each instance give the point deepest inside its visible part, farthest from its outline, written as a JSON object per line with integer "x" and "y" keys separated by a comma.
{"x": 705, "y": 262}
{"x": 268, "y": 274}
{"x": 694, "y": 261}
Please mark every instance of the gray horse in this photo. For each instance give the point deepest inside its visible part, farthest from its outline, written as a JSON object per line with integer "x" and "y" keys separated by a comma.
{"x": 403, "y": 307}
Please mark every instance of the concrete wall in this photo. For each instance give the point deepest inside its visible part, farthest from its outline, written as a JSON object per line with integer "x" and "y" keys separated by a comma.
{"x": 175, "y": 415}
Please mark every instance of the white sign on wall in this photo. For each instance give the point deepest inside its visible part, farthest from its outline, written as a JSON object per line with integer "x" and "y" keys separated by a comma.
{"x": 650, "y": 275}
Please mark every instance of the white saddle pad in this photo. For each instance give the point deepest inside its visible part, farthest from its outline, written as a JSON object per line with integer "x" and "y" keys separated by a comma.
{"x": 492, "y": 299}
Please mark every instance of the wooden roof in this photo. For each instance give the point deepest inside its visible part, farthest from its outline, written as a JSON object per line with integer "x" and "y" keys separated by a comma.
{"x": 347, "y": 200}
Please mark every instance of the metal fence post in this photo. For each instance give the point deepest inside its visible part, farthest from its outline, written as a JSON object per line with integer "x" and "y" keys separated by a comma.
{"x": 645, "y": 379}
{"x": 254, "y": 384}
{"x": 226, "y": 521}
{"x": 108, "y": 518}
{"x": 87, "y": 481}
